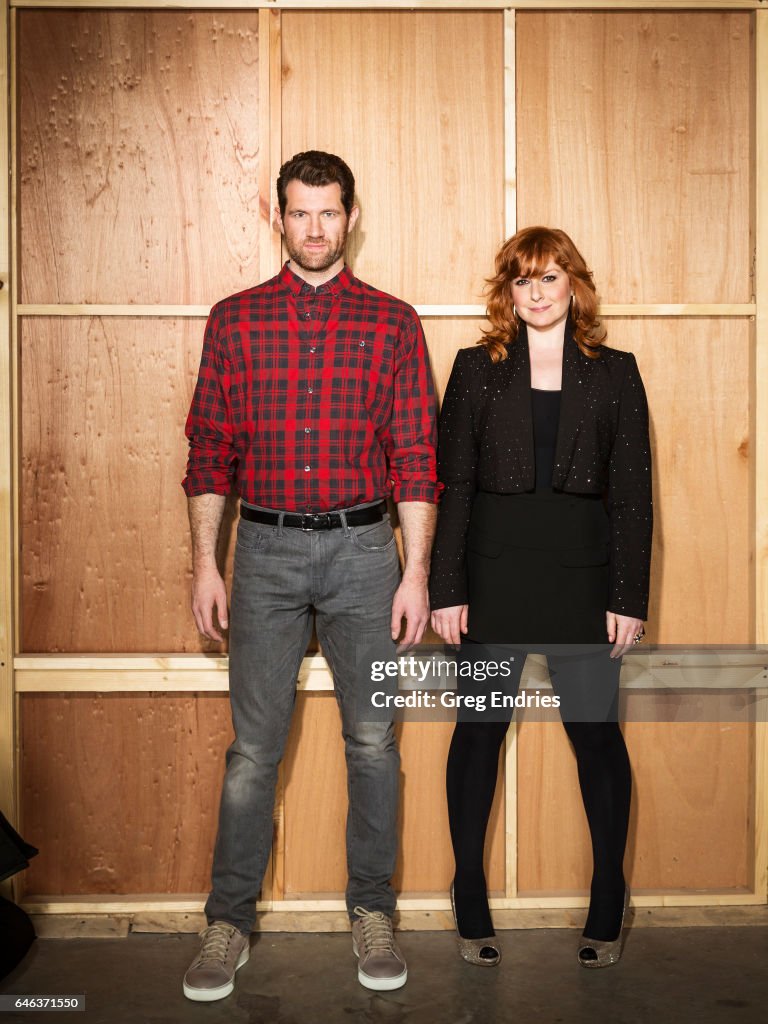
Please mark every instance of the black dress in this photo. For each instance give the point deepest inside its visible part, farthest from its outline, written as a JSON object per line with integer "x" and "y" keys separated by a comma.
{"x": 537, "y": 575}
{"x": 537, "y": 562}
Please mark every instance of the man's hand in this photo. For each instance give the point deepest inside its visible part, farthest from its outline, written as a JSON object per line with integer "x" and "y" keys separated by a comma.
{"x": 209, "y": 592}
{"x": 622, "y": 631}
{"x": 450, "y": 623}
{"x": 411, "y": 603}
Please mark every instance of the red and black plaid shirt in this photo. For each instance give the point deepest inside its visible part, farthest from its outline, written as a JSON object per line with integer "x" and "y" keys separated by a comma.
{"x": 313, "y": 399}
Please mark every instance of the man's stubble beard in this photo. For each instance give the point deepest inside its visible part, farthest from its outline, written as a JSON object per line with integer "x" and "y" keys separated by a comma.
{"x": 320, "y": 261}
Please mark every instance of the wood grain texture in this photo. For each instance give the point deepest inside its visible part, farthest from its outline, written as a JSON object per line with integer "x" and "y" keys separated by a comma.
{"x": 445, "y": 336}
{"x": 690, "y": 826}
{"x": 697, "y": 375}
{"x": 316, "y": 807}
{"x": 105, "y": 553}
{"x": 120, "y": 793}
{"x": 414, "y": 103}
{"x": 633, "y": 135}
{"x": 138, "y": 155}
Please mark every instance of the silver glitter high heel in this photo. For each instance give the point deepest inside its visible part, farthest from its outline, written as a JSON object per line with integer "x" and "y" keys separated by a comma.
{"x": 597, "y": 953}
{"x": 472, "y": 950}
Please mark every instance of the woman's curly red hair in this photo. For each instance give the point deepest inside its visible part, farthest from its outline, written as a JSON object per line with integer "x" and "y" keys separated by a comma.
{"x": 526, "y": 254}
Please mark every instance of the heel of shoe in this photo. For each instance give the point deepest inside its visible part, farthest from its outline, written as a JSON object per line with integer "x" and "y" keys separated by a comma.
{"x": 594, "y": 953}
{"x": 483, "y": 952}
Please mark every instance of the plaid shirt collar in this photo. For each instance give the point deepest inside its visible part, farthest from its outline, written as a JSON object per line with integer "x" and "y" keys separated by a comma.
{"x": 297, "y": 286}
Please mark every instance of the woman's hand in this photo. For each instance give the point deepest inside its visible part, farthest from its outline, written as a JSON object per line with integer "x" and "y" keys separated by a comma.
{"x": 622, "y": 631}
{"x": 450, "y": 623}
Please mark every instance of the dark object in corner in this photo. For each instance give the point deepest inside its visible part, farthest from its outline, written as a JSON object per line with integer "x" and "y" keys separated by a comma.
{"x": 16, "y": 931}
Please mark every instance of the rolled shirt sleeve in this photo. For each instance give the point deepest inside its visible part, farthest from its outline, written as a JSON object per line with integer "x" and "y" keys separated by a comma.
{"x": 411, "y": 440}
{"x": 212, "y": 459}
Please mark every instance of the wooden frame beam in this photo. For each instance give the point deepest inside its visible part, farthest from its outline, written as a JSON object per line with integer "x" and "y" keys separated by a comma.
{"x": 410, "y": 5}
{"x": 666, "y": 309}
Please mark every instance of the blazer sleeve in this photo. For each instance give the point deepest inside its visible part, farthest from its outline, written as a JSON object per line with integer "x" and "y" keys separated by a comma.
{"x": 629, "y": 500}
{"x": 457, "y": 458}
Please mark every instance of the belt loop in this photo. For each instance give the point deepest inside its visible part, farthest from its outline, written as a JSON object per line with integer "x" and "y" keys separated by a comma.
{"x": 280, "y": 527}
{"x": 344, "y": 525}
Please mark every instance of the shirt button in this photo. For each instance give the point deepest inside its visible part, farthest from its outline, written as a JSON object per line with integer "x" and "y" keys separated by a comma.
{"x": 312, "y": 348}
{"x": 307, "y": 430}
{"x": 307, "y": 316}
{"x": 362, "y": 344}
{"x": 307, "y": 469}
{"x": 309, "y": 391}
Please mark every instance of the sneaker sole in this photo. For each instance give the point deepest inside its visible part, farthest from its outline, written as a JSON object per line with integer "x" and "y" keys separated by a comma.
{"x": 210, "y": 995}
{"x": 379, "y": 984}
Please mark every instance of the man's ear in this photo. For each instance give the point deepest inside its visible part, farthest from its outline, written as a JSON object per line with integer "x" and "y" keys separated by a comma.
{"x": 354, "y": 213}
{"x": 277, "y": 221}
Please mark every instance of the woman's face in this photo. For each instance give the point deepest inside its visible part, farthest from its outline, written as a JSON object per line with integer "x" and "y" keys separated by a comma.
{"x": 542, "y": 302}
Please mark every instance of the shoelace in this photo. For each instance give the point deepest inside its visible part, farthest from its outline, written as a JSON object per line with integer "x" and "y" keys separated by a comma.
{"x": 216, "y": 940}
{"x": 377, "y": 930}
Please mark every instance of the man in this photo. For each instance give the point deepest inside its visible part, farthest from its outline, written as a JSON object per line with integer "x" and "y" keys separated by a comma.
{"x": 315, "y": 398}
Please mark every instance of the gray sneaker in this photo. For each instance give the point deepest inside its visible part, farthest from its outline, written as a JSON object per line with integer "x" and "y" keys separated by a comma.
{"x": 381, "y": 964}
{"x": 211, "y": 974}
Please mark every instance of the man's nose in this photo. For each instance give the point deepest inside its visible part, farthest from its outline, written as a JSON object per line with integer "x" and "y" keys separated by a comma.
{"x": 315, "y": 226}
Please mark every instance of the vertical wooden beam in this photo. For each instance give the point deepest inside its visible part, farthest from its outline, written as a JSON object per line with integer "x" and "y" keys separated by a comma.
{"x": 510, "y": 127}
{"x": 270, "y": 137}
{"x": 510, "y": 226}
{"x": 760, "y": 454}
{"x": 270, "y": 133}
{"x": 7, "y": 606}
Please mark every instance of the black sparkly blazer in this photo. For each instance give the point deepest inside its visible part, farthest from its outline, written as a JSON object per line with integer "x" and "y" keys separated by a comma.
{"x": 486, "y": 443}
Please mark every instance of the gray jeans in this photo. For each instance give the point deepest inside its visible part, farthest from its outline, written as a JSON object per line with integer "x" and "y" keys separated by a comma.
{"x": 349, "y": 576}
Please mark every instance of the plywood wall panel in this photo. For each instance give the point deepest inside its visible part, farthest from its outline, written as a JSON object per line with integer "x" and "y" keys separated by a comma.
{"x": 414, "y": 103}
{"x": 105, "y": 550}
{"x": 138, "y": 154}
{"x": 316, "y": 807}
{"x": 690, "y": 826}
{"x": 120, "y": 793}
{"x": 445, "y": 336}
{"x": 633, "y": 134}
{"x": 696, "y": 373}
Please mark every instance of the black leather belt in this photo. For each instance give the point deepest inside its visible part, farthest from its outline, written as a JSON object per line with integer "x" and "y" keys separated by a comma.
{"x": 316, "y": 520}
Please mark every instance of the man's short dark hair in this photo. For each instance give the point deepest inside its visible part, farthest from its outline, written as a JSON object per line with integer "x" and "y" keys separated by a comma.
{"x": 316, "y": 168}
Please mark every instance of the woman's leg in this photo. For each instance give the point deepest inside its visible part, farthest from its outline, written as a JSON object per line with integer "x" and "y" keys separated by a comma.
{"x": 588, "y": 688}
{"x": 473, "y": 763}
{"x": 605, "y": 779}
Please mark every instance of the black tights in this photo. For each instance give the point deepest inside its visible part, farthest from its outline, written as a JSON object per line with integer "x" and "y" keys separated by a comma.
{"x": 605, "y": 780}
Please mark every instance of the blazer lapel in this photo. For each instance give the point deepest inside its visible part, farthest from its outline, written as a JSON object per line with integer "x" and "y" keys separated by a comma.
{"x": 577, "y": 380}
{"x": 516, "y": 385}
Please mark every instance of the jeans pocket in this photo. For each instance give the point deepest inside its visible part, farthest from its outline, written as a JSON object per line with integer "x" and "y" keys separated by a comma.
{"x": 254, "y": 537}
{"x": 373, "y": 537}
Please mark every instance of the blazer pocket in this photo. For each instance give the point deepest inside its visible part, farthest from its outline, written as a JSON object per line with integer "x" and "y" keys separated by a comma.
{"x": 592, "y": 554}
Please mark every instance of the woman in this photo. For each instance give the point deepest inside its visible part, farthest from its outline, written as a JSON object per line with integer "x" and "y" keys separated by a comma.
{"x": 544, "y": 537}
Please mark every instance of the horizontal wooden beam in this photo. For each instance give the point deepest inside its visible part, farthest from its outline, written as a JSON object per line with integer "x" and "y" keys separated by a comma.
{"x": 717, "y": 309}
{"x": 423, "y": 5}
{"x": 153, "y": 913}
{"x": 199, "y": 673}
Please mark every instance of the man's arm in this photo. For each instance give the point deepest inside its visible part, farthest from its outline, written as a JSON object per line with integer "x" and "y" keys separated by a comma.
{"x": 411, "y": 600}
{"x": 208, "y": 591}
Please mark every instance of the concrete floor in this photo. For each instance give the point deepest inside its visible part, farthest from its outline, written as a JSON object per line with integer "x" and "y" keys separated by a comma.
{"x": 706, "y": 975}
